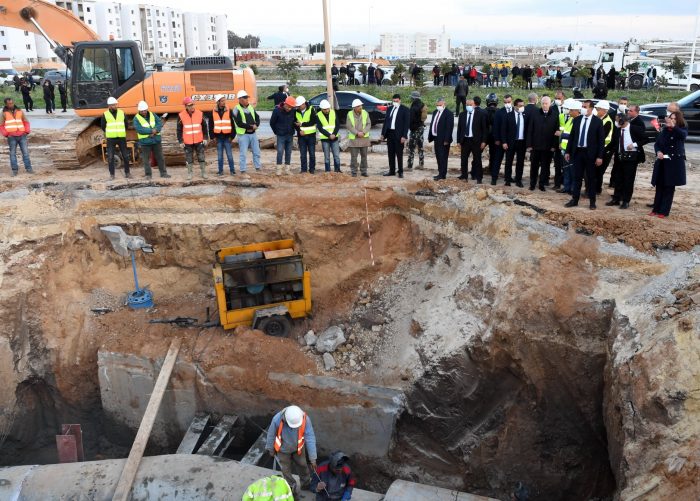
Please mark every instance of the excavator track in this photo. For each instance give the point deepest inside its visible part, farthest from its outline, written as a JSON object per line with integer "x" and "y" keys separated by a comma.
{"x": 77, "y": 144}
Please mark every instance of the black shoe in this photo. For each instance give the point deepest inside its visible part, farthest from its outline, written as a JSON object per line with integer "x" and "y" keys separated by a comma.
{"x": 650, "y": 206}
{"x": 598, "y": 192}
{"x": 478, "y": 181}
{"x": 401, "y": 175}
{"x": 386, "y": 174}
{"x": 557, "y": 186}
{"x": 612, "y": 202}
{"x": 14, "y": 173}
{"x": 542, "y": 188}
{"x": 166, "y": 175}
{"x": 571, "y": 203}
{"x": 493, "y": 182}
{"x": 531, "y": 188}
{"x": 410, "y": 167}
{"x": 127, "y": 175}
{"x": 519, "y": 184}
{"x": 438, "y": 178}
{"x": 220, "y": 173}
{"x": 463, "y": 178}
{"x": 624, "y": 205}
{"x": 592, "y": 206}
{"x": 364, "y": 174}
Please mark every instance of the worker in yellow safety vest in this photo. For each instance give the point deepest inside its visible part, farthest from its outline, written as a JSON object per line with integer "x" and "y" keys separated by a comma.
{"x": 571, "y": 109}
{"x": 272, "y": 488}
{"x": 148, "y": 126}
{"x": 306, "y": 134}
{"x": 358, "y": 125}
{"x": 114, "y": 125}
{"x": 328, "y": 127}
{"x": 247, "y": 122}
{"x": 290, "y": 438}
{"x": 15, "y": 127}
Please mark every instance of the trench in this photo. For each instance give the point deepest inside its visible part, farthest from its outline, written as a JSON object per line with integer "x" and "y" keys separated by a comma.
{"x": 518, "y": 399}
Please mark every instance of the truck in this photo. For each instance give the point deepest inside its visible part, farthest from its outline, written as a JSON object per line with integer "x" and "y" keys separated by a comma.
{"x": 635, "y": 79}
{"x": 263, "y": 285}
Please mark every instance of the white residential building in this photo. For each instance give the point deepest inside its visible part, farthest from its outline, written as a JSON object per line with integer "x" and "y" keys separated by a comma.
{"x": 155, "y": 33}
{"x": 415, "y": 45}
{"x": 130, "y": 17}
{"x": 83, "y": 9}
{"x": 177, "y": 33}
{"x": 17, "y": 47}
{"x": 300, "y": 53}
{"x": 109, "y": 20}
{"x": 191, "y": 22}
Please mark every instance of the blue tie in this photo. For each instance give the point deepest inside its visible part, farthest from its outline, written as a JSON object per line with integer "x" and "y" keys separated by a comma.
{"x": 582, "y": 137}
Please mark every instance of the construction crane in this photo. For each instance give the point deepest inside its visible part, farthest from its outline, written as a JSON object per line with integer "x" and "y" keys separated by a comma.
{"x": 101, "y": 68}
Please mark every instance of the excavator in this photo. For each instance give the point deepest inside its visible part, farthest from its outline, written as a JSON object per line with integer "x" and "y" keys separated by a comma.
{"x": 101, "y": 68}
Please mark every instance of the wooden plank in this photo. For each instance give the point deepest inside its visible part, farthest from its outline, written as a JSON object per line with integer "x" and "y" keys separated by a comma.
{"x": 256, "y": 452}
{"x": 139, "y": 446}
{"x": 218, "y": 439}
{"x": 279, "y": 253}
{"x": 194, "y": 434}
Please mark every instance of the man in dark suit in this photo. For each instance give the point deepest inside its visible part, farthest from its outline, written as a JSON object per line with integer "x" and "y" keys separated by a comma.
{"x": 441, "y": 126}
{"x": 585, "y": 150}
{"x": 513, "y": 129}
{"x": 633, "y": 139}
{"x": 494, "y": 117}
{"x": 541, "y": 139}
{"x": 471, "y": 136}
{"x": 395, "y": 131}
{"x": 531, "y": 106}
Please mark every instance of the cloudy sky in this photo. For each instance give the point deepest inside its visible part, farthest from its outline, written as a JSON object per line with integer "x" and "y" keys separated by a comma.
{"x": 358, "y": 21}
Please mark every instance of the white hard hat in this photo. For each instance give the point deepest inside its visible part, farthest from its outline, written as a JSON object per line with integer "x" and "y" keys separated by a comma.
{"x": 143, "y": 106}
{"x": 356, "y": 103}
{"x": 603, "y": 104}
{"x": 325, "y": 105}
{"x": 111, "y": 100}
{"x": 241, "y": 93}
{"x": 301, "y": 100}
{"x": 218, "y": 97}
{"x": 571, "y": 104}
{"x": 294, "y": 416}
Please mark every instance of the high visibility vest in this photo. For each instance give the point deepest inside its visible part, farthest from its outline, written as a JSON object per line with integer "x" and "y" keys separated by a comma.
{"x": 272, "y": 488}
{"x": 151, "y": 122}
{"x": 328, "y": 124}
{"x": 306, "y": 118}
{"x": 300, "y": 436}
{"x": 222, "y": 123}
{"x": 114, "y": 126}
{"x": 192, "y": 127}
{"x": 241, "y": 111}
{"x": 14, "y": 122}
{"x": 608, "y": 138}
{"x": 562, "y": 120}
{"x": 566, "y": 132}
{"x": 351, "y": 118}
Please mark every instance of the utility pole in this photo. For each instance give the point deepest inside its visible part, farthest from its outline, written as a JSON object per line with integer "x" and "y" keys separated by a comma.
{"x": 327, "y": 43}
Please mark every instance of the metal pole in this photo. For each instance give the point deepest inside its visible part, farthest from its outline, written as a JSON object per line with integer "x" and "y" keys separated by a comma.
{"x": 327, "y": 43}
{"x": 692, "y": 52}
{"x": 133, "y": 267}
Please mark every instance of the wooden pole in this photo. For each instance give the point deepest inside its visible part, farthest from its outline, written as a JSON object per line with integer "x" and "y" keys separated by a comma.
{"x": 327, "y": 43}
{"x": 139, "y": 446}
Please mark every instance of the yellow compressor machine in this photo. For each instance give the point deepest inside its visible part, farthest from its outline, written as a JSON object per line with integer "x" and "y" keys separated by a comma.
{"x": 264, "y": 285}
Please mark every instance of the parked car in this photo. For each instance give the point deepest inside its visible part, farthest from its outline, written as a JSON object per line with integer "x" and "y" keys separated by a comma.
{"x": 388, "y": 70}
{"x": 651, "y": 121}
{"x": 55, "y": 76}
{"x": 690, "y": 106}
{"x": 9, "y": 75}
{"x": 376, "y": 108}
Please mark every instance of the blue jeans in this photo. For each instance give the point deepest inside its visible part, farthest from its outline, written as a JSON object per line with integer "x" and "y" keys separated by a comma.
{"x": 284, "y": 145}
{"x": 13, "y": 141}
{"x": 328, "y": 148}
{"x": 307, "y": 147}
{"x": 567, "y": 170}
{"x": 224, "y": 144}
{"x": 246, "y": 141}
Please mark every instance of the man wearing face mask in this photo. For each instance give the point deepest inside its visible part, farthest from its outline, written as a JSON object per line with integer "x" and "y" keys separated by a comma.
{"x": 571, "y": 109}
{"x": 497, "y": 131}
{"x": 559, "y": 99}
{"x": 493, "y": 121}
{"x": 585, "y": 151}
{"x": 621, "y": 110}
{"x": 440, "y": 132}
{"x": 395, "y": 131}
{"x": 601, "y": 109}
{"x": 542, "y": 141}
{"x": 629, "y": 153}
{"x": 513, "y": 130}
{"x": 471, "y": 136}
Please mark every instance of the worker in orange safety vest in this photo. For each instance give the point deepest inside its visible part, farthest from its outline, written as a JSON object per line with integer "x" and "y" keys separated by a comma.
{"x": 193, "y": 135}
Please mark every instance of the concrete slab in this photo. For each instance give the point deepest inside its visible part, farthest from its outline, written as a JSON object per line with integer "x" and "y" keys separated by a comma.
{"x": 402, "y": 490}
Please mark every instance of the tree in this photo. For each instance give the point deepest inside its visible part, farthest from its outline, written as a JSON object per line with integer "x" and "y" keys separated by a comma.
{"x": 288, "y": 66}
{"x": 317, "y": 47}
{"x": 397, "y": 75}
{"x": 677, "y": 67}
{"x": 321, "y": 71}
{"x": 363, "y": 71}
{"x": 248, "y": 41}
{"x": 419, "y": 80}
{"x": 254, "y": 69}
{"x": 570, "y": 49}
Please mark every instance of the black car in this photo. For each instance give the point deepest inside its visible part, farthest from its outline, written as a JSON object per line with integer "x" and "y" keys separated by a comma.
{"x": 376, "y": 108}
{"x": 690, "y": 106}
{"x": 651, "y": 122}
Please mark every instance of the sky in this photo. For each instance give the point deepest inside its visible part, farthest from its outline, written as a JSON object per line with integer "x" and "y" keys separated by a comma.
{"x": 466, "y": 21}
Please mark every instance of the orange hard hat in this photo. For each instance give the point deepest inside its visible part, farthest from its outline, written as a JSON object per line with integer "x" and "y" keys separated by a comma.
{"x": 290, "y": 101}
{"x": 187, "y": 100}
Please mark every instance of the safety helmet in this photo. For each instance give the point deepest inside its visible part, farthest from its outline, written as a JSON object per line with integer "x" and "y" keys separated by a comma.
{"x": 241, "y": 93}
{"x": 290, "y": 101}
{"x": 571, "y": 104}
{"x": 356, "y": 103}
{"x": 111, "y": 100}
{"x": 325, "y": 105}
{"x": 187, "y": 100}
{"x": 142, "y": 106}
{"x": 602, "y": 104}
{"x": 294, "y": 416}
{"x": 301, "y": 100}
{"x": 218, "y": 97}
{"x": 492, "y": 99}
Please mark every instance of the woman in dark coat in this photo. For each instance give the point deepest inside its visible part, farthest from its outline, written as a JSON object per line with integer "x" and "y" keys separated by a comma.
{"x": 669, "y": 168}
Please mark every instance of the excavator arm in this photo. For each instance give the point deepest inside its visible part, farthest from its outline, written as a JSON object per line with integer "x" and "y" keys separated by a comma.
{"x": 58, "y": 26}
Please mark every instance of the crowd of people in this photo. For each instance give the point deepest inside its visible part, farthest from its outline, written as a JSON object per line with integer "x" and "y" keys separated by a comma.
{"x": 25, "y": 85}
{"x": 580, "y": 138}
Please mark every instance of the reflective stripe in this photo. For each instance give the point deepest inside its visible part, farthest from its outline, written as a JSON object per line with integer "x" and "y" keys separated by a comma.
{"x": 14, "y": 123}
{"x": 306, "y": 118}
{"x": 300, "y": 435}
{"x": 221, "y": 126}
{"x": 351, "y": 117}
{"x": 328, "y": 124}
{"x": 566, "y": 132}
{"x": 150, "y": 123}
{"x": 241, "y": 111}
{"x": 192, "y": 127}
{"x": 608, "y": 138}
{"x": 114, "y": 127}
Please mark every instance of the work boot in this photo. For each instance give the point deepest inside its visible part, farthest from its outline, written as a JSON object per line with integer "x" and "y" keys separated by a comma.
{"x": 278, "y": 170}
{"x": 287, "y": 170}
{"x": 203, "y": 170}
{"x": 189, "y": 172}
